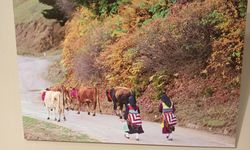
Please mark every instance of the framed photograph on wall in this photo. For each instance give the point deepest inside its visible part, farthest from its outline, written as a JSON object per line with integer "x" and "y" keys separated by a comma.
{"x": 146, "y": 72}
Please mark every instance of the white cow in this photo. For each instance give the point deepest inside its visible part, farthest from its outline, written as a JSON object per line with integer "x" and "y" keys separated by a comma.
{"x": 53, "y": 100}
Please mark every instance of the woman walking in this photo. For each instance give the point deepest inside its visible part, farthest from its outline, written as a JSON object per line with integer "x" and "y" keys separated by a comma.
{"x": 133, "y": 119}
{"x": 169, "y": 121}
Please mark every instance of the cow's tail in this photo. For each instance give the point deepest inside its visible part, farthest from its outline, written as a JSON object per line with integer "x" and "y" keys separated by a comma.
{"x": 63, "y": 97}
{"x": 60, "y": 101}
{"x": 97, "y": 99}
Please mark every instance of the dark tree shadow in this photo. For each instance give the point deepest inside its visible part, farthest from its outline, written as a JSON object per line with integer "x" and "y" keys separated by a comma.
{"x": 55, "y": 12}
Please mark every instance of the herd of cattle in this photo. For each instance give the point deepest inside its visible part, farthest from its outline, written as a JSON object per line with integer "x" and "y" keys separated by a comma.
{"x": 57, "y": 99}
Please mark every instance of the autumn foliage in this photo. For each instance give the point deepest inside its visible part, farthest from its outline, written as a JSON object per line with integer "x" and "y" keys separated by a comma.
{"x": 191, "y": 49}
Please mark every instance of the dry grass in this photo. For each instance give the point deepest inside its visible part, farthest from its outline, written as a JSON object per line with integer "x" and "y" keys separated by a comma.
{"x": 43, "y": 131}
{"x": 55, "y": 72}
{"x": 28, "y": 10}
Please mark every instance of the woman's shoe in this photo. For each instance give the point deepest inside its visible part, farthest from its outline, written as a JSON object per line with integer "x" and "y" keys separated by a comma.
{"x": 137, "y": 137}
{"x": 169, "y": 137}
{"x": 126, "y": 135}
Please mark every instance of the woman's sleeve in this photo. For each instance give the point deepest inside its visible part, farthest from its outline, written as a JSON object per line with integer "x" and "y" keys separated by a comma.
{"x": 160, "y": 108}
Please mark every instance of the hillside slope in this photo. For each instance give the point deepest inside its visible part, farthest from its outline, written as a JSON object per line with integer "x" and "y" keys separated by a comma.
{"x": 32, "y": 26}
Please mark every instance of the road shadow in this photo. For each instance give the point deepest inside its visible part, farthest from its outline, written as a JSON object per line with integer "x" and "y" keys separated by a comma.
{"x": 245, "y": 81}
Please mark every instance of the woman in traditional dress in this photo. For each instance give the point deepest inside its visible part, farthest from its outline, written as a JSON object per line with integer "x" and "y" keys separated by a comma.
{"x": 167, "y": 109}
{"x": 133, "y": 118}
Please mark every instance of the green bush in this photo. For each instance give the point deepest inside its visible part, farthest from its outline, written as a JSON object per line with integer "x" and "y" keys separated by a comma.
{"x": 102, "y": 7}
{"x": 242, "y": 7}
{"x": 158, "y": 82}
{"x": 208, "y": 92}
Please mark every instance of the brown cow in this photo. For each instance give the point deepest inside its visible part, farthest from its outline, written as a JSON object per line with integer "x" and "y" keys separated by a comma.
{"x": 119, "y": 95}
{"x": 86, "y": 95}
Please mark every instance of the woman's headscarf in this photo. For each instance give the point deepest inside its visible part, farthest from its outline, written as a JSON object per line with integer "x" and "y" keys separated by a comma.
{"x": 165, "y": 99}
{"x": 132, "y": 101}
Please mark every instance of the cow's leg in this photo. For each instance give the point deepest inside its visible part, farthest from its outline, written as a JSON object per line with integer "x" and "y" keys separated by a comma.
{"x": 99, "y": 106}
{"x": 94, "y": 107}
{"x": 48, "y": 113}
{"x": 120, "y": 111}
{"x": 88, "y": 108}
{"x": 55, "y": 114}
{"x": 79, "y": 108}
{"x": 64, "y": 118}
{"x": 59, "y": 114}
{"x": 115, "y": 108}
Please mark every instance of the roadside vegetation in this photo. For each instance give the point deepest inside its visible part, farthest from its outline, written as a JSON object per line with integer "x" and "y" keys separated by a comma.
{"x": 44, "y": 131}
{"x": 192, "y": 49}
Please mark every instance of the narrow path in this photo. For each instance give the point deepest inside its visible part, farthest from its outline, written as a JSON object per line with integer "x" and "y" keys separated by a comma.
{"x": 105, "y": 128}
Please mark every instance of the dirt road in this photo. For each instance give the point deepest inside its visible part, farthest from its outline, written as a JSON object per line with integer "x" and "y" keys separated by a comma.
{"x": 105, "y": 128}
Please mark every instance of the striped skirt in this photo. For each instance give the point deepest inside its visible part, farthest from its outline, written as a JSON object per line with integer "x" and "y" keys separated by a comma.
{"x": 169, "y": 118}
{"x": 168, "y": 122}
{"x": 134, "y": 124}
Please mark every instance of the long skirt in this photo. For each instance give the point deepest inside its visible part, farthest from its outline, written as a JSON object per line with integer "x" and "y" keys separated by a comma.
{"x": 131, "y": 129}
{"x": 168, "y": 122}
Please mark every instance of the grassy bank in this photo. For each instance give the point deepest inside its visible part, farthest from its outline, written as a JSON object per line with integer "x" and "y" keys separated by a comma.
{"x": 28, "y": 10}
{"x": 39, "y": 130}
